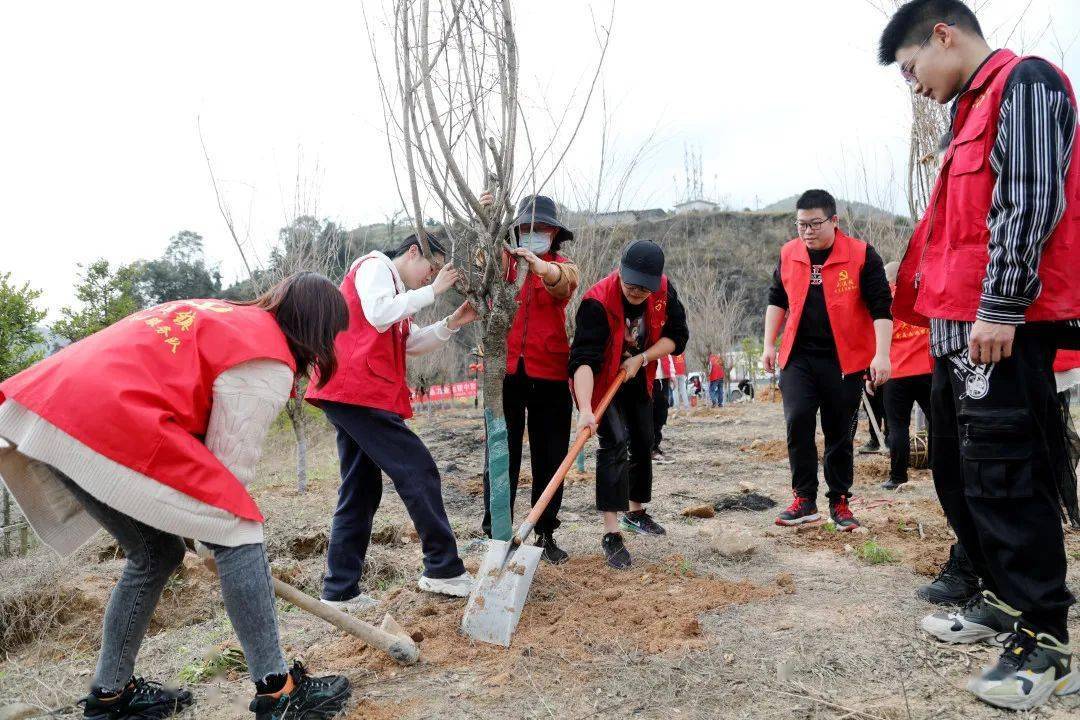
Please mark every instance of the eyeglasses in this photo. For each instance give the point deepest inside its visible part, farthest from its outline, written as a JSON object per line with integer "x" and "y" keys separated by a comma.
{"x": 815, "y": 225}
{"x": 637, "y": 289}
{"x": 907, "y": 70}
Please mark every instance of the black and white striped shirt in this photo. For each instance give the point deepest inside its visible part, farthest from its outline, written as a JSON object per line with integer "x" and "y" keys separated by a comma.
{"x": 1036, "y": 130}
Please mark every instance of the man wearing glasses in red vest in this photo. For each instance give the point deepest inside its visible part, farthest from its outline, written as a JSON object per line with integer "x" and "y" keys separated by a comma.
{"x": 830, "y": 295}
{"x": 990, "y": 270}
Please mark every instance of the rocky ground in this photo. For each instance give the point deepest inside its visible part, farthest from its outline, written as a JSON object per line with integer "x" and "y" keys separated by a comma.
{"x": 727, "y": 616}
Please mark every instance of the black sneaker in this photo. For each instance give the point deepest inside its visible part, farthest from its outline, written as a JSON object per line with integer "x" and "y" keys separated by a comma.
{"x": 552, "y": 552}
{"x": 140, "y": 699}
{"x": 639, "y": 521}
{"x": 871, "y": 446}
{"x": 312, "y": 699}
{"x": 891, "y": 484}
{"x": 982, "y": 619}
{"x": 1030, "y": 670}
{"x": 801, "y": 510}
{"x": 841, "y": 514}
{"x": 955, "y": 584}
{"x": 618, "y": 556}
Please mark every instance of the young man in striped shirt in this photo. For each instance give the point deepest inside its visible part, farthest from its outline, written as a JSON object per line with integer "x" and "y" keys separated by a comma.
{"x": 987, "y": 270}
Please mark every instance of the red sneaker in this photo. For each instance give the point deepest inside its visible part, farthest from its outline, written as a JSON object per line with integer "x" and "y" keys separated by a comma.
{"x": 841, "y": 514}
{"x": 801, "y": 511}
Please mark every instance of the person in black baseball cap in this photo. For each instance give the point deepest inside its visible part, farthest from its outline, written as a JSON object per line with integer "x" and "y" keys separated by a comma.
{"x": 626, "y": 321}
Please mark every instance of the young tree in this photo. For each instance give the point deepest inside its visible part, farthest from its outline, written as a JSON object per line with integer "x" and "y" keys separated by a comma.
{"x": 106, "y": 296}
{"x": 20, "y": 339}
{"x": 454, "y": 109}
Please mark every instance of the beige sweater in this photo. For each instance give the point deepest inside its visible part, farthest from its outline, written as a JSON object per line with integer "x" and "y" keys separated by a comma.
{"x": 246, "y": 400}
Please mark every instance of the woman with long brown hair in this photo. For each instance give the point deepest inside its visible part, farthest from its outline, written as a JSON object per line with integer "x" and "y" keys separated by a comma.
{"x": 151, "y": 429}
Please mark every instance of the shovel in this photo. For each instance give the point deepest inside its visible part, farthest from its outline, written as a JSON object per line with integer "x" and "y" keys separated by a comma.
{"x": 503, "y": 580}
{"x": 391, "y": 638}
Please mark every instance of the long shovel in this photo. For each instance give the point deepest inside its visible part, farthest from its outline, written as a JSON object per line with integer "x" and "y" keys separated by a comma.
{"x": 495, "y": 604}
{"x": 391, "y": 638}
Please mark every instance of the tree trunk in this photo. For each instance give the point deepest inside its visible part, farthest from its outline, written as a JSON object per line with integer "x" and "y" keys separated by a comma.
{"x": 7, "y": 521}
{"x": 295, "y": 410}
{"x": 498, "y": 453}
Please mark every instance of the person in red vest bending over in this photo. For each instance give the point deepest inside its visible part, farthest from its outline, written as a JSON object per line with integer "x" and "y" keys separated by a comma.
{"x": 909, "y": 384}
{"x": 151, "y": 429}
{"x": 830, "y": 295}
{"x": 536, "y": 388}
{"x": 716, "y": 380}
{"x": 991, "y": 270}
{"x": 628, "y": 320}
{"x": 368, "y": 402}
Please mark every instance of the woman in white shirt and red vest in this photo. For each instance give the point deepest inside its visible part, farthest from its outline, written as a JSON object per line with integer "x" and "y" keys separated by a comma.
{"x": 368, "y": 402}
{"x": 151, "y": 429}
{"x": 536, "y": 389}
{"x": 628, "y": 320}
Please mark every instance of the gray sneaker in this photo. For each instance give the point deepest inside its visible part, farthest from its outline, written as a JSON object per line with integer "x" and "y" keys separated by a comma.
{"x": 459, "y": 586}
{"x": 353, "y": 604}
{"x": 1030, "y": 670}
{"x": 983, "y": 618}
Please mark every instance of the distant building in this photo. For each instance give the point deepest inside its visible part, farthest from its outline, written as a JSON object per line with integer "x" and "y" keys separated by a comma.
{"x": 619, "y": 217}
{"x": 694, "y": 206}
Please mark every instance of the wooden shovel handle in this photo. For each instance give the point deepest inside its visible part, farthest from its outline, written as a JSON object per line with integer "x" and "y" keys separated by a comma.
{"x": 579, "y": 442}
{"x": 390, "y": 638}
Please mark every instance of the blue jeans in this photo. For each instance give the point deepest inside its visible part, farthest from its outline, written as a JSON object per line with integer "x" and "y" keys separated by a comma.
{"x": 716, "y": 393}
{"x": 152, "y": 557}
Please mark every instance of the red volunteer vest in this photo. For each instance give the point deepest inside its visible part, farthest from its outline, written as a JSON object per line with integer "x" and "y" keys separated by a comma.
{"x": 716, "y": 368}
{"x": 852, "y": 326}
{"x": 945, "y": 263}
{"x": 609, "y": 294}
{"x": 539, "y": 331}
{"x": 371, "y": 364}
{"x": 140, "y": 391}
{"x": 1066, "y": 360}
{"x": 680, "y": 364}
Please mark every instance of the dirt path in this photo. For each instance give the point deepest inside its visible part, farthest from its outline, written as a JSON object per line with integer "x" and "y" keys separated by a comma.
{"x": 728, "y": 616}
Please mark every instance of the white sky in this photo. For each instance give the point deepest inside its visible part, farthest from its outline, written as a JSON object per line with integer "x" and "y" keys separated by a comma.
{"x": 100, "y": 155}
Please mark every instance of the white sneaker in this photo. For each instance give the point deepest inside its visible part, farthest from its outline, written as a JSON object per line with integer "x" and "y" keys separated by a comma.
{"x": 459, "y": 586}
{"x": 360, "y": 602}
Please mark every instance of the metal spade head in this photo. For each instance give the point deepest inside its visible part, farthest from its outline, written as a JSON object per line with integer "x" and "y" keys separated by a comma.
{"x": 502, "y": 585}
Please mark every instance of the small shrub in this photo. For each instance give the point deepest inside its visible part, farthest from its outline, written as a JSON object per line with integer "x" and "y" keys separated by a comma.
{"x": 873, "y": 554}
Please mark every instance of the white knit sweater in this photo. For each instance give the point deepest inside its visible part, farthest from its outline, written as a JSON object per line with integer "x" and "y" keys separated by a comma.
{"x": 246, "y": 399}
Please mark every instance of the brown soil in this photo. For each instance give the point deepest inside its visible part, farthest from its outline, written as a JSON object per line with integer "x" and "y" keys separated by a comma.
{"x": 578, "y": 611}
{"x": 767, "y": 449}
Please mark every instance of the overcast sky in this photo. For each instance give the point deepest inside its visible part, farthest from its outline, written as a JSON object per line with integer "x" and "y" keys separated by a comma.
{"x": 100, "y": 154}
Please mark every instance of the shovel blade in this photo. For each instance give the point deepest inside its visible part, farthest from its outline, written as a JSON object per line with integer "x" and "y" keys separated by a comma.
{"x": 495, "y": 604}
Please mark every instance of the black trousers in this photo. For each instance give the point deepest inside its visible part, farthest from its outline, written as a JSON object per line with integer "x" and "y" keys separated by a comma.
{"x": 659, "y": 410}
{"x": 877, "y": 405}
{"x": 624, "y": 458}
{"x": 545, "y": 407}
{"x": 809, "y": 383}
{"x": 371, "y": 442}
{"x": 900, "y": 396}
{"x": 997, "y": 438}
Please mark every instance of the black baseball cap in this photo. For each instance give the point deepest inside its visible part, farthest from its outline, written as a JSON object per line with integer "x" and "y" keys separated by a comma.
{"x": 642, "y": 264}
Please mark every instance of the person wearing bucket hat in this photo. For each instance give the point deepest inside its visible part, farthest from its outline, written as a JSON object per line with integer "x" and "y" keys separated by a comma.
{"x": 627, "y": 321}
{"x": 536, "y": 392}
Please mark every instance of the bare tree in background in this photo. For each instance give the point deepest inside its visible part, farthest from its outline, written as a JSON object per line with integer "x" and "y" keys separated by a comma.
{"x": 453, "y": 114}
{"x": 717, "y": 312}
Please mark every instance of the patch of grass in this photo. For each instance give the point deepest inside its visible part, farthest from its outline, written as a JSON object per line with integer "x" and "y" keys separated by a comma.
{"x": 1075, "y": 554}
{"x": 873, "y": 554}
{"x": 221, "y": 662}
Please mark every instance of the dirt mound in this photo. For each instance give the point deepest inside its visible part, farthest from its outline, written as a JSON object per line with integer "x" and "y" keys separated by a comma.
{"x": 579, "y": 611}
{"x": 767, "y": 449}
{"x": 750, "y": 501}
{"x": 921, "y": 539}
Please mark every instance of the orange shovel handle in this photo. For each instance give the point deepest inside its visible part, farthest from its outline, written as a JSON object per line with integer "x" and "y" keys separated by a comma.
{"x": 579, "y": 442}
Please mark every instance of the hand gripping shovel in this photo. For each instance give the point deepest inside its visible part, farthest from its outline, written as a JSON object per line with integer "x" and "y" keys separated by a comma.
{"x": 391, "y": 638}
{"x": 495, "y": 604}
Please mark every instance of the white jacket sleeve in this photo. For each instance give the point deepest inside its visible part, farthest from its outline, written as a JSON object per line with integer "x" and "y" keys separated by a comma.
{"x": 382, "y": 304}
{"x": 247, "y": 399}
{"x": 428, "y": 339}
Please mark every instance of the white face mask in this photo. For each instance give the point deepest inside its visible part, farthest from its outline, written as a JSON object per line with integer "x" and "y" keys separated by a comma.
{"x": 537, "y": 242}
